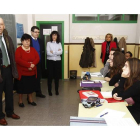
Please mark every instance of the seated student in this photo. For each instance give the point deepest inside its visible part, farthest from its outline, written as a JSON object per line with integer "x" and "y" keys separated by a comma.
{"x": 128, "y": 55}
{"x": 114, "y": 75}
{"x": 105, "y": 70}
{"x": 130, "y": 86}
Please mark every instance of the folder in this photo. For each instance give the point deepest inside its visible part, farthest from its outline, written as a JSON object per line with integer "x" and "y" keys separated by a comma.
{"x": 112, "y": 100}
{"x": 82, "y": 96}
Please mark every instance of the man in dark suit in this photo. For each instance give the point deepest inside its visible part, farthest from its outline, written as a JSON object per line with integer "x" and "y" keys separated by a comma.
{"x": 38, "y": 45}
{"x": 7, "y": 72}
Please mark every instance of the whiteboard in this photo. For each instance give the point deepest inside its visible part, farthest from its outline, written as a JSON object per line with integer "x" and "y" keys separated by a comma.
{"x": 10, "y": 25}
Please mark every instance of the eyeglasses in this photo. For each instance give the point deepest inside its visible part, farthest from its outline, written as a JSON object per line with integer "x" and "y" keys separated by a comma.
{"x": 37, "y": 32}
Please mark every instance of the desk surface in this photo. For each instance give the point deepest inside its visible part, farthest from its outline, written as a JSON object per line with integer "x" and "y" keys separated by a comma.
{"x": 93, "y": 112}
{"x": 105, "y": 88}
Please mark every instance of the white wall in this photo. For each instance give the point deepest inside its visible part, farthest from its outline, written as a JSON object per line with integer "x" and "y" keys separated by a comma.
{"x": 22, "y": 18}
{"x": 131, "y": 30}
{"x": 99, "y": 29}
{"x": 56, "y": 17}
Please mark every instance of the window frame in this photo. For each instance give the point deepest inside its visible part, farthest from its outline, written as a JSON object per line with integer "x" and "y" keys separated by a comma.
{"x": 98, "y": 21}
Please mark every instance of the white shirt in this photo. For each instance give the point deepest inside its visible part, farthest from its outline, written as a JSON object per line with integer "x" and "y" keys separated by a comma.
{"x": 5, "y": 48}
{"x": 53, "y": 46}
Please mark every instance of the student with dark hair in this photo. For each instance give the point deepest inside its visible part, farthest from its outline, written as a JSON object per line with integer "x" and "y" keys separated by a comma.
{"x": 54, "y": 50}
{"x": 106, "y": 47}
{"x": 105, "y": 70}
{"x": 130, "y": 86}
{"x": 128, "y": 55}
{"x": 38, "y": 44}
{"x": 26, "y": 58}
{"x": 115, "y": 72}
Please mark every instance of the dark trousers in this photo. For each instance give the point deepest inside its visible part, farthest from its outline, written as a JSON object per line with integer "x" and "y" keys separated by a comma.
{"x": 54, "y": 69}
{"x": 38, "y": 84}
{"x": 7, "y": 87}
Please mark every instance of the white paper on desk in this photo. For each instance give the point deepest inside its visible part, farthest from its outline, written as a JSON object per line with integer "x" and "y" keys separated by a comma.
{"x": 107, "y": 94}
{"x": 120, "y": 122}
{"x": 111, "y": 113}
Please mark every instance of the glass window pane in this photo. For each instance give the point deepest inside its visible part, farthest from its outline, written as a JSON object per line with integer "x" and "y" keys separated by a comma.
{"x": 86, "y": 17}
{"x": 130, "y": 17}
{"x": 110, "y": 17}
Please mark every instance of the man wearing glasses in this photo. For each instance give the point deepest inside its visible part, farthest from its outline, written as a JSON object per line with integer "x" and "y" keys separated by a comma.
{"x": 38, "y": 45}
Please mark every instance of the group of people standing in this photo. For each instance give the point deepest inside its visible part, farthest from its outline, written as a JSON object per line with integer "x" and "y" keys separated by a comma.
{"x": 24, "y": 65}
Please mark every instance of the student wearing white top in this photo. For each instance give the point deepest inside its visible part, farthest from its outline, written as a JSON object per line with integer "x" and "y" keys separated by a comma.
{"x": 54, "y": 50}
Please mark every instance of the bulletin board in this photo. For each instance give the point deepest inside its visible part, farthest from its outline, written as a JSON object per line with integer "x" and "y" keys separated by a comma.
{"x": 10, "y": 25}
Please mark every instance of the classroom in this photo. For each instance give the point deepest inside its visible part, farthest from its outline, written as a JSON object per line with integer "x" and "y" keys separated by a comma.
{"x": 66, "y": 101}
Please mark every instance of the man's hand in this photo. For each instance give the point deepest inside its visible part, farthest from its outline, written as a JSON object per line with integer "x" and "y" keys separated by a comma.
{"x": 51, "y": 52}
{"x": 59, "y": 49}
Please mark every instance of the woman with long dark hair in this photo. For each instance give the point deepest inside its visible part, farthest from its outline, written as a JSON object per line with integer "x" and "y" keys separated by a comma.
{"x": 54, "y": 52}
{"x": 116, "y": 65}
{"x": 130, "y": 86}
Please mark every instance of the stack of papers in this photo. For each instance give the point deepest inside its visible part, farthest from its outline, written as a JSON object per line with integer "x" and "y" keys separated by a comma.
{"x": 107, "y": 94}
{"x": 120, "y": 122}
{"x": 111, "y": 113}
{"x": 96, "y": 74}
{"x": 115, "y": 118}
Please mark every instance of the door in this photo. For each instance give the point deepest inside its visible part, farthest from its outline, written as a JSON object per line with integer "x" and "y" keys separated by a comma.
{"x": 46, "y": 38}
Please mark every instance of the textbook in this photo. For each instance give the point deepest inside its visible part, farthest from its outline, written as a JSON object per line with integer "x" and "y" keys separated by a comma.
{"x": 87, "y": 121}
{"x": 91, "y": 84}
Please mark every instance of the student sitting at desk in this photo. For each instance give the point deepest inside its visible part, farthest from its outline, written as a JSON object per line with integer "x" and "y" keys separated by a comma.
{"x": 130, "y": 86}
{"x": 114, "y": 75}
{"x": 106, "y": 68}
{"x": 128, "y": 55}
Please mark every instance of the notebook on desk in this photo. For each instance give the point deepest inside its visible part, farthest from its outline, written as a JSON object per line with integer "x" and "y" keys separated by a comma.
{"x": 87, "y": 121}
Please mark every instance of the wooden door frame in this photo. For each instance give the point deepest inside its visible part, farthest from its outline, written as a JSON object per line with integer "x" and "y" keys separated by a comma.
{"x": 38, "y": 23}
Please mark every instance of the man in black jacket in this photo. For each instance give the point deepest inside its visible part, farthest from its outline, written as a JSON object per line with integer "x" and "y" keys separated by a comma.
{"x": 38, "y": 45}
{"x": 8, "y": 70}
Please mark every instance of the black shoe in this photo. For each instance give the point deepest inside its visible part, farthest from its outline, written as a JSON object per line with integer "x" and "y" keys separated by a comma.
{"x": 21, "y": 104}
{"x": 32, "y": 103}
{"x": 57, "y": 93}
{"x": 50, "y": 93}
{"x": 40, "y": 95}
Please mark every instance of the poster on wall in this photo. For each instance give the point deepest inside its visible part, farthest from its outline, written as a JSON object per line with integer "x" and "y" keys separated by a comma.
{"x": 47, "y": 31}
{"x": 20, "y": 30}
{"x": 54, "y": 28}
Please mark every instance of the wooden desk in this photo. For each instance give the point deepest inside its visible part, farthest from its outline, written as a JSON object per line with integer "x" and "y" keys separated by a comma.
{"x": 93, "y": 112}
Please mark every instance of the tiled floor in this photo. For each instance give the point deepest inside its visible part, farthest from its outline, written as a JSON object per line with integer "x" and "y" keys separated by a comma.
{"x": 50, "y": 111}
